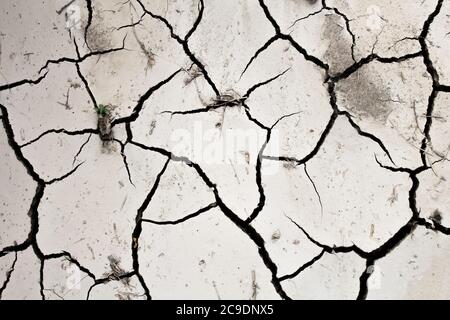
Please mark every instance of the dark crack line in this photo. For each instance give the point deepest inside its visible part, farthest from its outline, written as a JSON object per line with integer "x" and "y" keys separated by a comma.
{"x": 258, "y": 167}
{"x": 89, "y": 22}
{"x": 262, "y": 196}
{"x": 370, "y": 257}
{"x": 9, "y": 86}
{"x": 33, "y": 210}
{"x": 89, "y": 131}
{"x": 307, "y": 17}
{"x": 41, "y": 278}
{"x": 64, "y": 7}
{"x": 71, "y": 259}
{"x": 81, "y": 149}
{"x": 340, "y": 14}
{"x": 187, "y": 217}
{"x": 367, "y": 135}
{"x": 87, "y": 87}
{"x": 314, "y": 186}
{"x": 389, "y": 245}
{"x": 206, "y": 109}
{"x": 65, "y": 175}
{"x": 134, "y": 24}
{"x": 428, "y": 123}
{"x": 284, "y": 117}
{"x": 201, "y": 8}
{"x": 249, "y": 231}
{"x": 319, "y": 63}
{"x": 8, "y": 275}
{"x": 434, "y": 76}
{"x": 370, "y": 58}
{"x": 363, "y": 279}
{"x": 12, "y": 85}
{"x": 443, "y": 88}
{"x": 303, "y": 267}
{"x": 333, "y": 249}
{"x": 259, "y": 51}
{"x": 280, "y": 35}
{"x": 81, "y": 59}
{"x": 316, "y": 149}
{"x": 124, "y": 159}
{"x": 138, "y": 229}
{"x": 347, "y": 26}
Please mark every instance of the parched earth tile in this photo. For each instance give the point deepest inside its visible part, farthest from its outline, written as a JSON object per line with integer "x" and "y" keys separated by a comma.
{"x": 67, "y": 104}
{"x": 388, "y": 28}
{"x": 181, "y": 13}
{"x": 286, "y": 244}
{"x": 335, "y": 276}
{"x": 416, "y": 270}
{"x": 66, "y": 212}
{"x": 121, "y": 78}
{"x": 174, "y": 198}
{"x": 203, "y": 263}
{"x": 24, "y": 281}
{"x": 384, "y": 101}
{"x": 356, "y": 194}
{"x": 224, "y": 142}
{"x": 33, "y": 33}
{"x": 63, "y": 280}
{"x": 227, "y": 37}
{"x": 287, "y": 12}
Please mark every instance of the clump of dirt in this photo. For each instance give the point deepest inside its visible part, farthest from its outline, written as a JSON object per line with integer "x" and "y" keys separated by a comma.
{"x": 364, "y": 97}
{"x": 193, "y": 73}
{"x": 116, "y": 270}
{"x": 289, "y": 165}
{"x": 104, "y": 124}
{"x": 436, "y": 216}
{"x": 276, "y": 236}
{"x": 339, "y": 52}
{"x": 98, "y": 36}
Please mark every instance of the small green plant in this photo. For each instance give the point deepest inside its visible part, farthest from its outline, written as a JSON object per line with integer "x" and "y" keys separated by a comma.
{"x": 102, "y": 110}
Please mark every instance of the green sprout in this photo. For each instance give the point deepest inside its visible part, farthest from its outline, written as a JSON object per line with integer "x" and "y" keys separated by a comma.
{"x": 102, "y": 110}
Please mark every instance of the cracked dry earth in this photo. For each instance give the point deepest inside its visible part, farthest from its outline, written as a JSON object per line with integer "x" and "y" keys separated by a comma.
{"x": 337, "y": 185}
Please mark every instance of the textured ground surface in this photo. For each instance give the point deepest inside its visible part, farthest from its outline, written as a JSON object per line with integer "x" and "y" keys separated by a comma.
{"x": 215, "y": 149}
